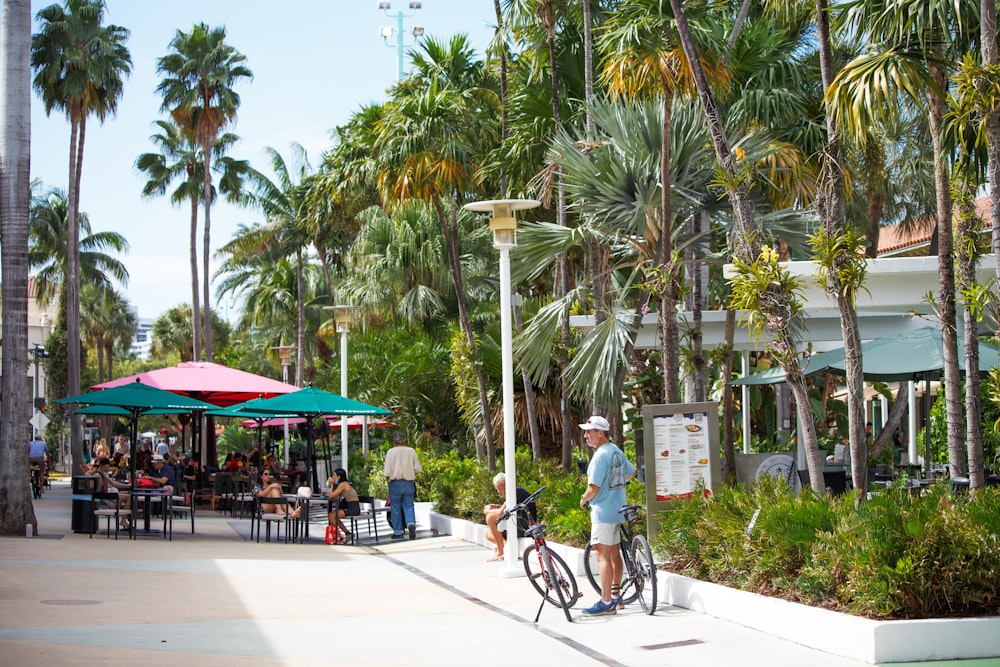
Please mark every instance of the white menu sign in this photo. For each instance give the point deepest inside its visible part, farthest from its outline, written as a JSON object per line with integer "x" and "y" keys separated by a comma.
{"x": 681, "y": 451}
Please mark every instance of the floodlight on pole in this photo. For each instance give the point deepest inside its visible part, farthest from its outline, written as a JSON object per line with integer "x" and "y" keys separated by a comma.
{"x": 387, "y": 32}
{"x": 503, "y": 224}
{"x": 343, "y": 317}
{"x": 285, "y": 356}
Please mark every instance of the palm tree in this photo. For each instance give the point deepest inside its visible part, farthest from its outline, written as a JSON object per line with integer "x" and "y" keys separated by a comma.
{"x": 198, "y": 91}
{"x": 179, "y": 159}
{"x": 79, "y": 68}
{"x": 428, "y": 145}
{"x": 913, "y": 43}
{"x": 105, "y": 318}
{"x": 16, "y": 509}
{"x": 49, "y": 249}
{"x": 773, "y": 302}
{"x": 284, "y": 203}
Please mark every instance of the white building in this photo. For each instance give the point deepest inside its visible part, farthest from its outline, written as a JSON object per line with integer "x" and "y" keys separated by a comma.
{"x": 142, "y": 343}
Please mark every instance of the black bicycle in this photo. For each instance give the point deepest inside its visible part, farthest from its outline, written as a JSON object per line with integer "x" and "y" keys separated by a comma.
{"x": 547, "y": 571}
{"x": 639, "y": 571}
{"x": 36, "y": 479}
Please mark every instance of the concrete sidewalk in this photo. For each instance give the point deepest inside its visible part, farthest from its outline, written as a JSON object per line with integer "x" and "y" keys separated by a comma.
{"x": 215, "y": 599}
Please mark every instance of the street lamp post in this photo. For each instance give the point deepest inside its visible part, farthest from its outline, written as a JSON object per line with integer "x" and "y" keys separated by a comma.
{"x": 285, "y": 355}
{"x": 385, "y": 32}
{"x": 503, "y": 224}
{"x": 343, "y": 316}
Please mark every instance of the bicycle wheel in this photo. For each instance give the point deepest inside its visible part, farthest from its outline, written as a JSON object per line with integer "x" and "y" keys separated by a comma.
{"x": 644, "y": 573}
{"x": 592, "y": 569}
{"x": 565, "y": 581}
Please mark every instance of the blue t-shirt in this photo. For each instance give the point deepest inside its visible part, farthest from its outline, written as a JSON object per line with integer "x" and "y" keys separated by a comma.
{"x": 608, "y": 469}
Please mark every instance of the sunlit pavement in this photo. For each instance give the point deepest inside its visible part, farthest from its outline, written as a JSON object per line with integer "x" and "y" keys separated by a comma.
{"x": 214, "y": 598}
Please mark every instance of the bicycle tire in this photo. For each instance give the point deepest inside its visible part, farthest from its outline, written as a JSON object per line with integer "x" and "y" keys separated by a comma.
{"x": 590, "y": 567}
{"x": 644, "y": 574}
{"x": 567, "y": 582}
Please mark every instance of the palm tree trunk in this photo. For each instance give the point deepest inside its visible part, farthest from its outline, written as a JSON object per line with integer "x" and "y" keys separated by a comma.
{"x": 300, "y": 320}
{"x": 831, "y": 211}
{"x": 588, "y": 67}
{"x": 728, "y": 401}
{"x": 668, "y": 298}
{"x": 16, "y": 509}
{"x": 746, "y": 245}
{"x": 72, "y": 285}
{"x": 450, "y": 226}
{"x": 195, "y": 287}
{"x": 207, "y": 250}
{"x": 529, "y": 397}
{"x": 946, "y": 278}
{"x": 988, "y": 41}
{"x": 968, "y": 258}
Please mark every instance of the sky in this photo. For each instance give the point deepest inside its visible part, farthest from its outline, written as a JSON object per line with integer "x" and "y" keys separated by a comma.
{"x": 315, "y": 62}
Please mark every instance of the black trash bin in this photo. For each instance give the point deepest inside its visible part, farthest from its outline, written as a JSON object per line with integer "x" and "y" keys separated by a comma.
{"x": 82, "y": 517}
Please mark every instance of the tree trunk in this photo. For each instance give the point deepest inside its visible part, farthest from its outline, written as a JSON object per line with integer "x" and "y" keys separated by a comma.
{"x": 968, "y": 257}
{"x": 16, "y": 510}
{"x": 300, "y": 320}
{"x": 72, "y": 285}
{"x": 668, "y": 298}
{"x": 895, "y": 420}
{"x": 529, "y": 395}
{"x": 831, "y": 212}
{"x": 728, "y": 401}
{"x": 988, "y": 41}
{"x": 449, "y": 224}
{"x": 195, "y": 287}
{"x": 946, "y": 279}
{"x": 746, "y": 243}
{"x": 206, "y": 251}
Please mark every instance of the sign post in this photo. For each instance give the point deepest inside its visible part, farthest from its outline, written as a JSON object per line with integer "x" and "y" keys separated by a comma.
{"x": 681, "y": 454}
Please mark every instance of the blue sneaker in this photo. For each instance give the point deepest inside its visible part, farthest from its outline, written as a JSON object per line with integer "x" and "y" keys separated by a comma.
{"x": 602, "y": 608}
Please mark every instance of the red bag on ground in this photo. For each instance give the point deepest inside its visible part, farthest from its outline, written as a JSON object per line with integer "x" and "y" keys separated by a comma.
{"x": 333, "y": 535}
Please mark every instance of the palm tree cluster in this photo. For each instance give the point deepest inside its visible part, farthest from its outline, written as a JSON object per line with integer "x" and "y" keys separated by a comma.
{"x": 663, "y": 140}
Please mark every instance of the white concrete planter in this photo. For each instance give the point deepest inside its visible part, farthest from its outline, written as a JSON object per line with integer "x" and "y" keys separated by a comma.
{"x": 471, "y": 531}
{"x": 833, "y": 632}
{"x": 841, "y": 634}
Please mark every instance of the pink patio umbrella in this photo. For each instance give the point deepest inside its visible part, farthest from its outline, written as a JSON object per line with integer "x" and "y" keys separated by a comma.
{"x": 209, "y": 382}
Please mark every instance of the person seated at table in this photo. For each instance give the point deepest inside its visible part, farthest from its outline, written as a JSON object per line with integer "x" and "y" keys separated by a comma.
{"x": 493, "y": 511}
{"x": 271, "y": 463}
{"x": 161, "y": 474}
{"x": 268, "y": 487}
{"x": 340, "y": 488}
{"x": 108, "y": 484}
{"x": 191, "y": 477}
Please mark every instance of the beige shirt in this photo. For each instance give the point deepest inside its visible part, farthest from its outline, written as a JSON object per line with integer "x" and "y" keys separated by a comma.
{"x": 401, "y": 462}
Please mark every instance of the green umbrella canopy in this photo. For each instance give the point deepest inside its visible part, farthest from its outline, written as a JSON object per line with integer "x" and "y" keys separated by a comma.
{"x": 312, "y": 402}
{"x": 915, "y": 355}
{"x": 138, "y": 398}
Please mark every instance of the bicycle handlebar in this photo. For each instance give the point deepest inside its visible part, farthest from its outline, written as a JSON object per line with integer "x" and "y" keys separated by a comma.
{"x": 521, "y": 505}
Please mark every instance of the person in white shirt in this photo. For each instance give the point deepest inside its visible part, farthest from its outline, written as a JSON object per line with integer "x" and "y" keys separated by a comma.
{"x": 401, "y": 468}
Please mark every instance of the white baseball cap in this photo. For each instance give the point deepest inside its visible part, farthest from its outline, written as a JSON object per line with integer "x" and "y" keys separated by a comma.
{"x": 597, "y": 422}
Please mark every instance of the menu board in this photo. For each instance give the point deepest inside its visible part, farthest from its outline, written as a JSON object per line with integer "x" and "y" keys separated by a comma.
{"x": 681, "y": 450}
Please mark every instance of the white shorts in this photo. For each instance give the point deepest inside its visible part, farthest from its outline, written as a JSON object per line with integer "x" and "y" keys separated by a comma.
{"x": 605, "y": 533}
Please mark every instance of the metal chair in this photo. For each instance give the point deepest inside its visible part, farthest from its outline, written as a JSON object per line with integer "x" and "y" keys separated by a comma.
{"x": 179, "y": 508}
{"x": 268, "y": 518}
{"x": 367, "y": 514}
{"x": 108, "y": 512}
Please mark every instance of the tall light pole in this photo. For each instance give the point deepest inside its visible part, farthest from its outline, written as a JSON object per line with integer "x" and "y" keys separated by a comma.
{"x": 503, "y": 224}
{"x": 343, "y": 316}
{"x": 386, "y": 32}
{"x": 285, "y": 355}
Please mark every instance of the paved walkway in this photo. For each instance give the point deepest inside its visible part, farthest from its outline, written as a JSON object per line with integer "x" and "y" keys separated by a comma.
{"x": 215, "y": 599}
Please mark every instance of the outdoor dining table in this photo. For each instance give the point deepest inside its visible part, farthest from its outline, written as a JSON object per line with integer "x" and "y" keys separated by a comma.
{"x": 144, "y": 497}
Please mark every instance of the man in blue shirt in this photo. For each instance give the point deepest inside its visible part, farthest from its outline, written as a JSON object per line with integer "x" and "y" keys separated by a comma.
{"x": 162, "y": 474}
{"x": 607, "y": 474}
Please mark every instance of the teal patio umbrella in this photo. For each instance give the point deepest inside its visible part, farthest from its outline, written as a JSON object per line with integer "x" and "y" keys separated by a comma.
{"x": 248, "y": 410}
{"x": 311, "y": 403}
{"x": 137, "y": 399}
